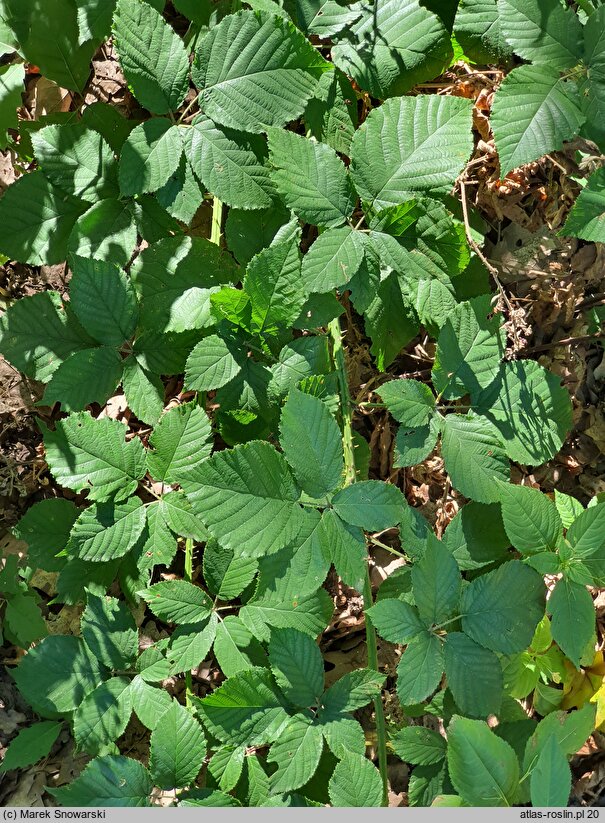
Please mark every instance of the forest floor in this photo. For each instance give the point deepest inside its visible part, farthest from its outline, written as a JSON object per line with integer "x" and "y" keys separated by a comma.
{"x": 546, "y": 283}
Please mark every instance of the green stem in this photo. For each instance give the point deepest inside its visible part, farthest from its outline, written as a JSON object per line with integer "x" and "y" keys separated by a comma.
{"x": 217, "y": 221}
{"x": 345, "y": 401}
{"x": 350, "y": 477}
{"x": 189, "y": 579}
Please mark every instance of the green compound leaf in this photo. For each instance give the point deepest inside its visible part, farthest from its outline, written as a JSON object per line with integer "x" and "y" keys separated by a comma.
{"x": 87, "y": 376}
{"x": 411, "y": 144}
{"x": 345, "y": 546}
{"x": 394, "y": 47}
{"x": 474, "y": 676}
{"x": 211, "y": 364}
{"x": 88, "y": 454}
{"x": 470, "y": 347}
{"x": 150, "y": 155}
{"x": 77, "y": 160}
{"x": 255, "y": 69}
{"x": 144, "y": 391}
{"x": 312, "y": 443}
{"x": 568, "y": 508}
{"x": 225, "y": 574}
{"x": 419, "y": 745}
{"x": 106, "y": 232}
{"x": 273, "y": 284}
{"x": 530, "y": 409}
{"x": 297, "y": 666}
{"x": 476, "y": 536}
{"x": 189, "y": 645}
{"x": 109, "y": 631}
{"x": 103, "y": 300}
{"x": 483, "y": 768}
{"x": 148, "y": 703}
{"x": 333, "y": 259}
{"x": 436, "y": 583}
{"x": 37, "y": 220}
{"x": 474, "y": 456}
{"x": 530, "y": 519}
{"x": 587, "y": 216}
{"x": 182, "y": 195}
{"x": 370, "y": 504}
{"x": 38, "y": 333}
{"x": 246, "y": 710}
{"x": 159, "y": 542}
{"x": 23, "y": 622}
{"x": 230, "y": 164}
{"x": 180, "y": 442}
{"x": 309, "y": 613}
{"x": 420, "y": 668}
{"x": 573, "y": 619}
{"x": 112, "y": 780}
{"x": 11, "y": 89}
{"x": 586, "y": 536}
{"x": 178, "y": 748}
{"x": 542, "y": 31}
{"x": 501, "y": 609}
{"x": 311, "y": 178}
{"x": 67, "y": 669}
{"x": 535, "y": 111}
{"x": 331, "y": 116}
{"x": 30, "y": 745}
{"x": 235, "y": 647}
{"x": 396, "y": 621}
{"x": 247, "y": 499}
{"x": 45, "y": 527}
{"x": 152, "y": 56}
{"x": 412, "y": 446}
{"x": 478, "y": 31}
{"x": 353, "y": 691}
{"x": 409, "y": 401}
{"x": 355, "y": 782}
{"x": 343, "y": 735}
{"x": 550, "y": 781}
{"x": 106, "y": 531}
{"x": 297, "y": 752}
{"x": 177, "y": 601}
{"x": 55, "y": 47}
{"x": 174, "y": 279}
{"x": 103, "y": 715}
{"x": 226, "y": 766}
